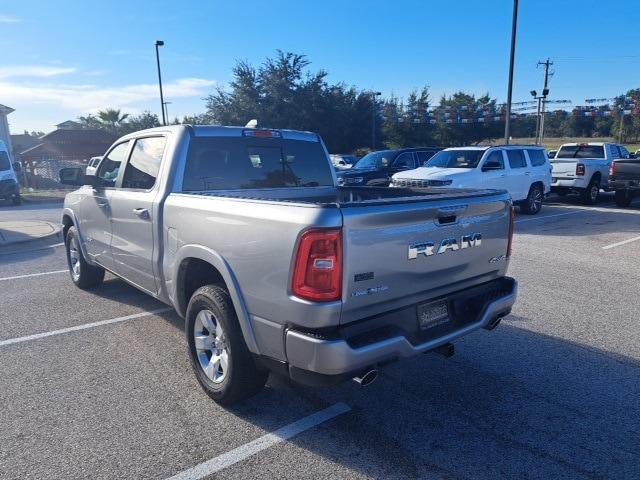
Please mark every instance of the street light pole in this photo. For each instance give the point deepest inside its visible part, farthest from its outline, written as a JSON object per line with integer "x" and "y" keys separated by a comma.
{"x": 514, "y": 25}
{"x": 373, "y": 118}
{"x": 160, "y": 43}
{"x": 166, "y": 109}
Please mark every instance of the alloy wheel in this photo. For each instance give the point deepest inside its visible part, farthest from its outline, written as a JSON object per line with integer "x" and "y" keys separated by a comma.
{"x": 74, "y": 259}
{"x": 535, "y": 202}
{"x": 211, "y": 346}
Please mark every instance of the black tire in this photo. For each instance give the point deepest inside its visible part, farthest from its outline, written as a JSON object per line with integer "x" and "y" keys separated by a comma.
{"x": 16, "y": 199}
{"x": 623, "y": 198}
{"x": 589, "y": 195}
{"x": 533, "y": 203}
{"x": 242, "y": 377}
{"x": 85, "y": 276}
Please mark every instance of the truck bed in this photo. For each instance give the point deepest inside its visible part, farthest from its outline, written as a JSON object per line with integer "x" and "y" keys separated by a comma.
{"x": 343, "y": 197}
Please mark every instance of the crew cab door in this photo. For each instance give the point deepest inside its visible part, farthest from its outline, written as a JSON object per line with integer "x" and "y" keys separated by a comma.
{"x": 133, "y": 212}
{"x": 95, "y": 209}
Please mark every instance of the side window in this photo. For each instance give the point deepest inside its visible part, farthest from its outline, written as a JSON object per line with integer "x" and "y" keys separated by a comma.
{"x": 404, "y": 161}
{"x": 516, "y": 159}
{"x": 615, "y": 151}
{"x": 624, "y": 152}
{"x": 110, "y": 164}
{"x": 423, "y": 157}
{"x": 142, "y": 170}
{"x": 537, "y": 157}
{"x": 495, "y": 160}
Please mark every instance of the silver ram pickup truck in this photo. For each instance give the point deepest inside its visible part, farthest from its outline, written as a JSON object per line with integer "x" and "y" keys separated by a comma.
{"x": 274, "y": 267}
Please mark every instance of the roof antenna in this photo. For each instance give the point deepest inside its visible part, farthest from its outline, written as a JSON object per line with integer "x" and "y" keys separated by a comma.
{"x": 253, "y": 123}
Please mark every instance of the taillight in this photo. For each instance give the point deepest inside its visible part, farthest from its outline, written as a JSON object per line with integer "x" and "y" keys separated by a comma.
{"x": 580, "y": 169}
{"x": 317, "y": 271}
{"x": 612, "y": 169}
{"x": 512, "y": 218}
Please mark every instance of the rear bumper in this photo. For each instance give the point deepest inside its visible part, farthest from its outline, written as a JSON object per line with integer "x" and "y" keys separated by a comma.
{"x": 624, "y": 185}
{"x": 560, "y": 183}
{"x": 309, "y": 354}
{"x": 8, "y": 188}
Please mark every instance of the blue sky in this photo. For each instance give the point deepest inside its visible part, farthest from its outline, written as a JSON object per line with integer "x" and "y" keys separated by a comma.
{"x": 67, "y": 58}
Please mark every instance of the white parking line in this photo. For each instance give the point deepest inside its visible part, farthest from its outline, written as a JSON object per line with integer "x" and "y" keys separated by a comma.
{"x": 551, "y": 216}
{"x": 624, "y": 242}
{"x": 85, "y": 326}
{"x": 248, "y": 449}
{"x": 16, "y": 277}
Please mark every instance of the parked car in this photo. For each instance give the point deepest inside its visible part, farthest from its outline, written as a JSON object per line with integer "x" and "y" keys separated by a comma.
{"x": 583, "y": 168}
{"x": 92, "y": 164}
{"x": 343, "y": 161}
{"x": 624, "y": 179}
{"x": 274, "y": 267}
{"x": 376, "y": 168}
{"x": 9, "y": 186}
{"x": 523, "y": 171}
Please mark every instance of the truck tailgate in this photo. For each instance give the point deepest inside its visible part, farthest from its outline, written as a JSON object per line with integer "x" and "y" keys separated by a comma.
{"x": 563, "y": 168}
{"x": 406, "y": 253}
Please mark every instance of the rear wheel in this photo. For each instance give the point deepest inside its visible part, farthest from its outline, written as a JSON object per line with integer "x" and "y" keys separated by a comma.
{"x": 533, "y": 203}
{"x": 85, "y": 276}
{"x": 623, "y": 198}
{"x": 590, "y": 194}
{"x": 16, "y": 199}
{"x": 219, "y": 356}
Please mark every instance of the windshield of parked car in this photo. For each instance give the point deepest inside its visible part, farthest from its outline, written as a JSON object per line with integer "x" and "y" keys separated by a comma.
{"x": 379, "y": 159}
{"x": 226, "y": 163}
{"x": 456, "y": 159}
{"x": 5, "y": 164}
{"x": 581, "y": 151}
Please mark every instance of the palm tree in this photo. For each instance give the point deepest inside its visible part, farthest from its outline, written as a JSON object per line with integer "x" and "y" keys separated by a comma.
{"x": 112, "y": 118}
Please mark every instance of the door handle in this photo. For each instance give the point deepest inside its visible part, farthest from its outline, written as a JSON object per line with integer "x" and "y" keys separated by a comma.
{"x": 527, "y": 173}
{"x": 503, "y": 175}
{"x": 142, "y": 213}
{"x": 103, "y": 204}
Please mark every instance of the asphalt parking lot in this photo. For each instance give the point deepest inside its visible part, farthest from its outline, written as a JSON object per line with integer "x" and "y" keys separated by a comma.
{"x": 554, "y": 392}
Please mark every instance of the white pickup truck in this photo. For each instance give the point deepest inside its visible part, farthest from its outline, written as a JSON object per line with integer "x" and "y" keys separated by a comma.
{"x": 584, "y": 168}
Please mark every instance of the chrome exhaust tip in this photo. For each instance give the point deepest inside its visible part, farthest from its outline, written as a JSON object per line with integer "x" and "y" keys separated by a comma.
{"x": 493, "y": 323}
{"x": 367, "y": 378}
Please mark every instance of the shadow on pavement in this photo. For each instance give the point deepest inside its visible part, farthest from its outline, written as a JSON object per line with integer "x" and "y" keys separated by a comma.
{"x": 512, "y": 404}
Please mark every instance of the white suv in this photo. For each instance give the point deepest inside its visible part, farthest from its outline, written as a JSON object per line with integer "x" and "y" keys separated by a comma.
{"x": 523, "y": 171}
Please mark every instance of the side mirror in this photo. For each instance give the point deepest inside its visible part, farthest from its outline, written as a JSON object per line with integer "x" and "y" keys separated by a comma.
{"x": 75, "y": 176}
{"x": 490, "y": 166}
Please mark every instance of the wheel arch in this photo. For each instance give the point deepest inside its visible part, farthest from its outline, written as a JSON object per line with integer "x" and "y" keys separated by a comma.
{"x": 69, "y": 220}
{"x": 196, "y": 266}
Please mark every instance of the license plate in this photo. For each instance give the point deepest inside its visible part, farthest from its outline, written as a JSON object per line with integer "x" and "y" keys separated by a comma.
{"x": 433, "y": 314}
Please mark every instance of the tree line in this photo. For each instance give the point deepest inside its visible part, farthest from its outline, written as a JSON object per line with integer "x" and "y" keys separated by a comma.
{"x": 284, "y": 93}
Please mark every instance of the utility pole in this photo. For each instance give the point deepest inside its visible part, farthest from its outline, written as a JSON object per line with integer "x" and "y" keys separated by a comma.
{"x": 514, "y": 26}
{"x": 373, "y": 118}
{"x": 545, "y": 92}
{"x": 621, "y": 124}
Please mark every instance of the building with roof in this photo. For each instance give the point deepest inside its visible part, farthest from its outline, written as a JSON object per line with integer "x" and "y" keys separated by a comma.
{"x": 63, "y": 147}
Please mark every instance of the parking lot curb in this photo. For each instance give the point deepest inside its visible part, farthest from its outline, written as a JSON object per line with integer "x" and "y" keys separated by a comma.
{"x": 19, "y": 232}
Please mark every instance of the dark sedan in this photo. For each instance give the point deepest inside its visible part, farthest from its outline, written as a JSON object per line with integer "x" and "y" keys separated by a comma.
{"x": 376, "y": 168}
